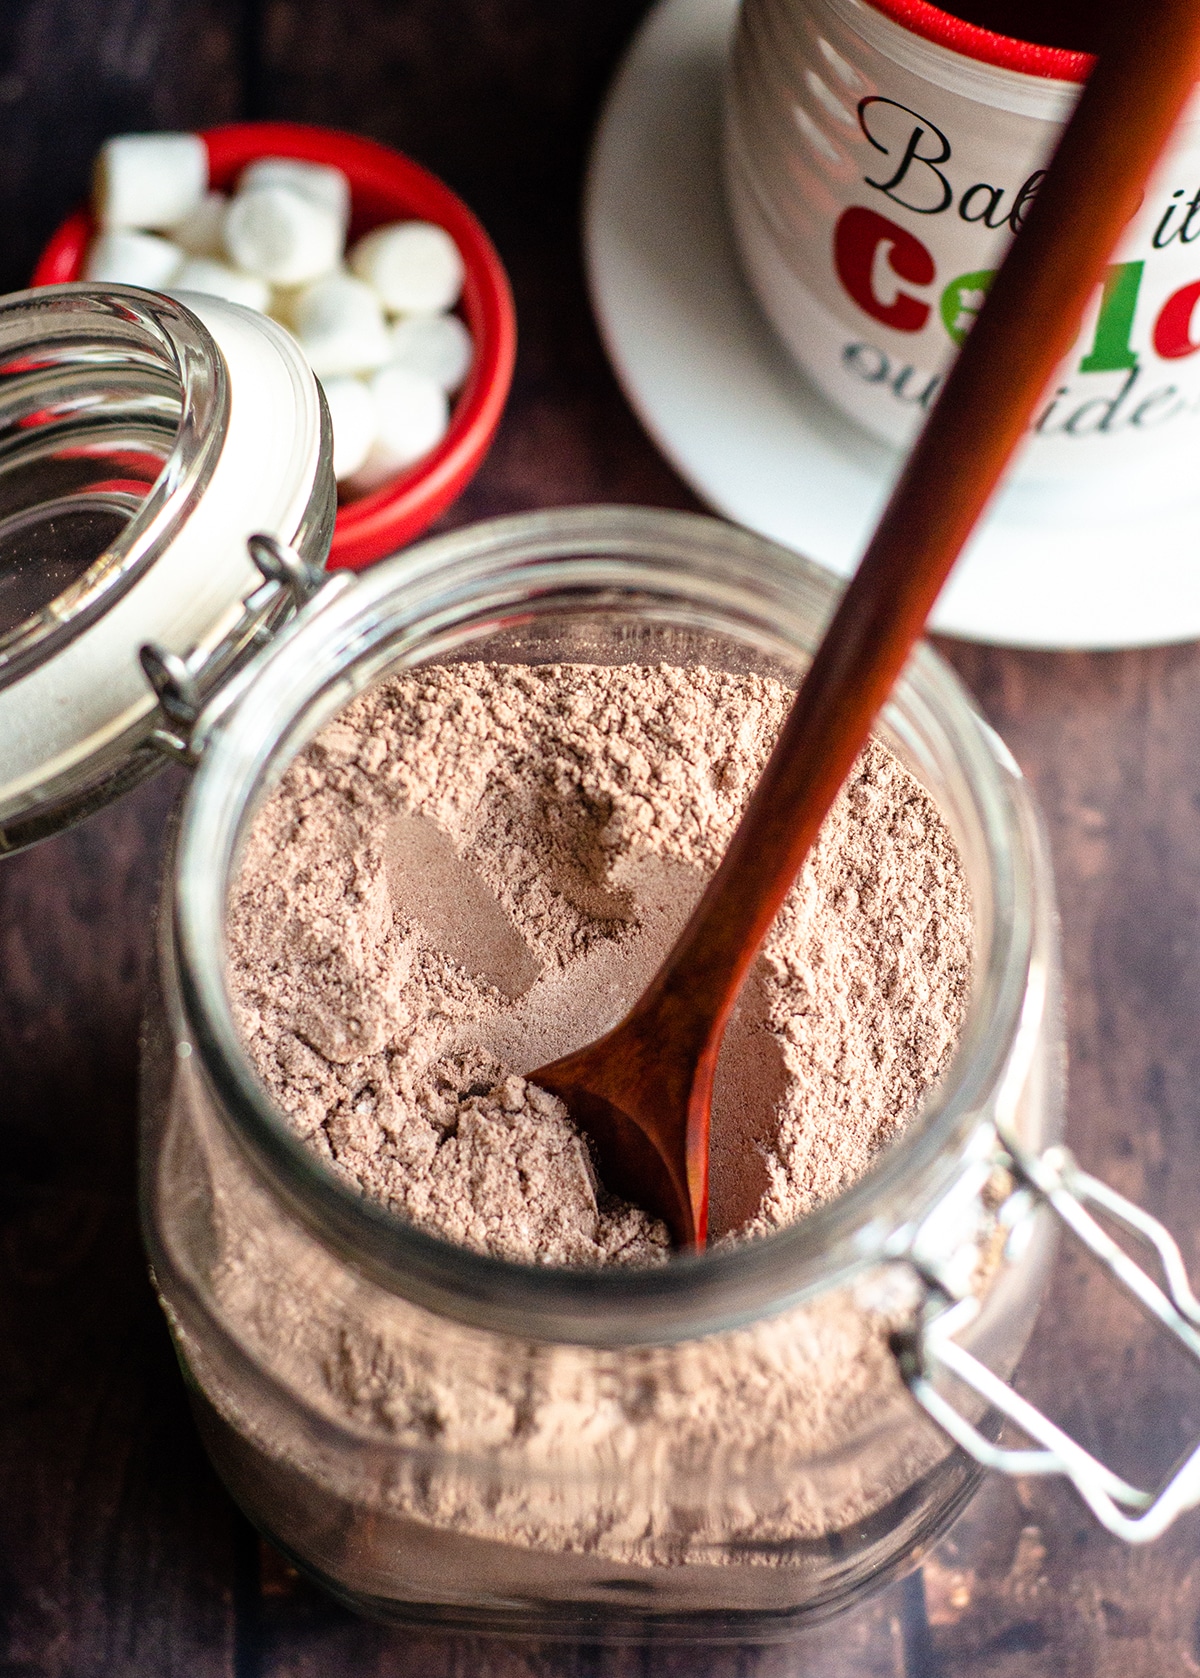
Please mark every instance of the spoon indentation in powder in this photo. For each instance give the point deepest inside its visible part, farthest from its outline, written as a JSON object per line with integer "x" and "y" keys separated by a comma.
{"x": 432, "y": 885}
{"x": 553, "y": 1011}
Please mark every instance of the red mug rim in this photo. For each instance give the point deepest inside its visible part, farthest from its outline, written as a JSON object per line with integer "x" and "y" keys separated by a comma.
{"x": 984, "y": 45}
{"x": 377, "y": 524}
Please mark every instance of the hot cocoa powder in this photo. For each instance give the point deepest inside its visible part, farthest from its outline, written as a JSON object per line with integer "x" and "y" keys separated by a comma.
{"x": 477, "y": 868}
{"x": 473, "y": 869}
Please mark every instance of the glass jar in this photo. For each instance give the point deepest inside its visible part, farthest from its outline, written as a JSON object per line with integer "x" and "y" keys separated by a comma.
{"x": 725, "y": 1443}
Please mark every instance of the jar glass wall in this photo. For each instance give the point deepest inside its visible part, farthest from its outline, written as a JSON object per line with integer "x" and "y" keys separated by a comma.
{"x": 720, "y": 1445}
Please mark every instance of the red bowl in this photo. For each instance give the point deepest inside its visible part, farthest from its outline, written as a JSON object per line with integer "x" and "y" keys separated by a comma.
{"x": 384, "y": 186}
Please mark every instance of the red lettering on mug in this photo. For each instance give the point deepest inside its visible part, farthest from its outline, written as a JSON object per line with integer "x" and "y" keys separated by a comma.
{"x": 1173, "y": 328}
{"x": 856, "y": 238}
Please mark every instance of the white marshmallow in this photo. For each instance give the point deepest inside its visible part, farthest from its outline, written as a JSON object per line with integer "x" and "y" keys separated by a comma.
{"x": 340, "y": 325}
{"x": 125, "y": 257}
{"x": 149, "y": 180}
{"x": 282, "y": 235}
{"x": 201, "y": 231}
{"x": 218, "y": 279}
{"x": 318, "y": 181}
{"x": 412, "y": 415}
{"x": 414, "y": 266}
{"x": 439, "y": 346}
{"x": 355, "y": 423}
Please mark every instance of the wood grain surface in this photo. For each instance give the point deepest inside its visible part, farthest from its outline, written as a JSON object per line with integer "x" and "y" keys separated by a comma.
{"x": 120, "y": 1554}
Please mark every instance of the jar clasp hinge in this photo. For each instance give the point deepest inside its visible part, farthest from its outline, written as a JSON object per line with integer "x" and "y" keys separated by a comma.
{"x": 184, "y": 684}
{"x": 1052, "y": 1179}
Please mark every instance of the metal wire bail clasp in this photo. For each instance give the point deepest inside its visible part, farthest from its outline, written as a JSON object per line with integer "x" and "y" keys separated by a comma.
{"x": 1054, "y": 1180}
{"x": 183, "y": 684}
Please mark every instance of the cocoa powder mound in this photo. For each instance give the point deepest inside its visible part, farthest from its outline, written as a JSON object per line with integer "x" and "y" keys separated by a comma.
{"x": 477, "y": 867}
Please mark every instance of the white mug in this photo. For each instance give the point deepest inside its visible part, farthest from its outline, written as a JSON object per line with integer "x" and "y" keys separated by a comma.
{"x": 879, "y": 159}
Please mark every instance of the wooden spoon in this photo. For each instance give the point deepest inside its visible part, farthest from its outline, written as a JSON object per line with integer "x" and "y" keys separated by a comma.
{"x": 643, "y": 1092}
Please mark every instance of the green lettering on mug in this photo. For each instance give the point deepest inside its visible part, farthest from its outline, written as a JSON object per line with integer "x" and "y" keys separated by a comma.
{"x": 1110, "y": 351}
{"x": 962, "y": 301}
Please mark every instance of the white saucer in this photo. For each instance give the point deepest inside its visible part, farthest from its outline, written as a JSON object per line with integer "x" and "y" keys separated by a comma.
{"x": 723, "y": 401}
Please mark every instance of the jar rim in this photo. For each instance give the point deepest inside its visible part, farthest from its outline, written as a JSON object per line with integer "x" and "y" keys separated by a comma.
{"x": 395, "y": 614}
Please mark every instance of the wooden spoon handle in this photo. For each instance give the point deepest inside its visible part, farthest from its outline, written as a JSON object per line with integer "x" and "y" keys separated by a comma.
{"x": 1091, "y": 191}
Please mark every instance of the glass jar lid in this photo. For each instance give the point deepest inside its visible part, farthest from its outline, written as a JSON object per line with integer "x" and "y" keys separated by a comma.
{"x": 142, "y": 442}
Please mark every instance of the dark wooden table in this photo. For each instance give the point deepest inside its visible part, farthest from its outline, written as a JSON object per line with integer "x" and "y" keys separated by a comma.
{"x": 119, "y": 1552}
